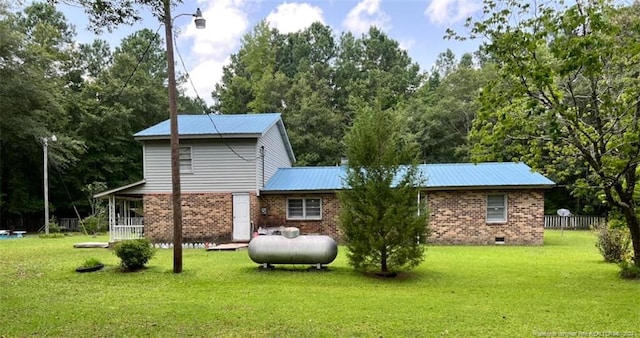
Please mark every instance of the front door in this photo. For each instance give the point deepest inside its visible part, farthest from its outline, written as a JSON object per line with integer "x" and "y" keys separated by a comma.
{"x": 241, "y": 221}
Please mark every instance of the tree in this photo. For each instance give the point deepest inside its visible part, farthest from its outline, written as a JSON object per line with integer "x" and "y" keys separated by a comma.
{"x": 34, "y": 61}
{"x": 443, "y": 115}
{"x": 252, "y": 82}
{"x": 313, "y": 81}
{"x": 568, "y": 98}
{"x": 380, "y": 218}
{"x": 372, "y": 68}
{"x": 314, "y": 125}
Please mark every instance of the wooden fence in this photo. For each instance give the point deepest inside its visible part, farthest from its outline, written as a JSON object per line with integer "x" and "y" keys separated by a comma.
{"x": 572, "y": 222}
{"x": 69, "y": 224}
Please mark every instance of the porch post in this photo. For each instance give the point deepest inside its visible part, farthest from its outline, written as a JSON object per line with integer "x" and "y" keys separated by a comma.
{"x": 112, "y": 217}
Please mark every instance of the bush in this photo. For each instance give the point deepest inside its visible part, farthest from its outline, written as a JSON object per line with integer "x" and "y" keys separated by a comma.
{"x": 134, "y": 253}
{"x": 54, "y": 228}
{"x": 94, "y": 224}
{"x": 628, "y": 270}
{"x": 613, "y": 241}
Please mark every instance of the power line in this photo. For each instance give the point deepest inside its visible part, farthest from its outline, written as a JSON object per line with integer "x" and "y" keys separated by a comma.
{"x": 208, "y": 115}
{"x": 227, "y": 144}
{"x": 175, "y": 44}
{"x": 146, "y": 51}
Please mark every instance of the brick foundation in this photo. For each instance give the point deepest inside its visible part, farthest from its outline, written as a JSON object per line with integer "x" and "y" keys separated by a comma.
{"x": 206, "y": 217}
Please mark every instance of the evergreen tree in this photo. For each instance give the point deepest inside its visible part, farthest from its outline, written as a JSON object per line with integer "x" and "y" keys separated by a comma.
{"x": 381, "y": 219}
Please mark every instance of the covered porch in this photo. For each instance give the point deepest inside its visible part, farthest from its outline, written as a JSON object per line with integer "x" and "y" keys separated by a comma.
{"x": 125, "y": 212}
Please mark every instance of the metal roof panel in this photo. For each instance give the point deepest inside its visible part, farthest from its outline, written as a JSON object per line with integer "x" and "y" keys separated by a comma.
{"x": 451, "y": 175}
{"x": 211, "y": 124}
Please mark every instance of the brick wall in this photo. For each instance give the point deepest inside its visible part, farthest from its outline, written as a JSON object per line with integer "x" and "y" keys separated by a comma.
{"x": 459, "y": 217}
{"x": 277, "y": 213}
{"x": 456, "y": 217}
{"x": 206, "y": 217}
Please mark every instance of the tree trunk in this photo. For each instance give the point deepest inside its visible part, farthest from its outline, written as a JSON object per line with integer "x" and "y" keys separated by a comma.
{"x": 634, "y": 229}
{"x": 383, "y": 260}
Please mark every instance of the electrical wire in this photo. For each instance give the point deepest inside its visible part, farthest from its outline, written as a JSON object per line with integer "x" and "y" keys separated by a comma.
{"x": 70, "y": 198}
{"x": 175, "y": 44}
{"x": 208, "y": 115}
{"x": 146, "y": 51}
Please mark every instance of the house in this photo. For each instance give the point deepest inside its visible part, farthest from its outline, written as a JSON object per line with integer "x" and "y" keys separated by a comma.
{"x": 237, "y": 176}
{"x": 224, "y": 161}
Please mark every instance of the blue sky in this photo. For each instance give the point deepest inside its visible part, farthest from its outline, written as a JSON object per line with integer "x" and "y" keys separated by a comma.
{"x": 419, "y": 26}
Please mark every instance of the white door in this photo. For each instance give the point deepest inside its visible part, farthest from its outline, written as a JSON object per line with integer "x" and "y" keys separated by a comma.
{"x": 241, "y": 222}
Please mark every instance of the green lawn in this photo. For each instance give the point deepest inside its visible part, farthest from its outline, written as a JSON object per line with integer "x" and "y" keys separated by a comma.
{"x": 560, "y": 288}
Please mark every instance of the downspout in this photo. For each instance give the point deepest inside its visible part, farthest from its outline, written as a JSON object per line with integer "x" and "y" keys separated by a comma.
{"x": 262, "y": 151}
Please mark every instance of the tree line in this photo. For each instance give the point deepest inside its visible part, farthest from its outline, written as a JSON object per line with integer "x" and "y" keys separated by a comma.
{"x": 91, "y": 96}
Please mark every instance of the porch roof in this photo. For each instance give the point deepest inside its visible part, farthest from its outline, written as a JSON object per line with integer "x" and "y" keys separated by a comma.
{"x": 438, "y": 177}
{"x": 122, "y": 189}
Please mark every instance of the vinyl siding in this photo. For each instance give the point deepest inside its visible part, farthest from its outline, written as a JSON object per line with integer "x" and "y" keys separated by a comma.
{"x": 215, "y": 167}
{"x": 275, "y": 156}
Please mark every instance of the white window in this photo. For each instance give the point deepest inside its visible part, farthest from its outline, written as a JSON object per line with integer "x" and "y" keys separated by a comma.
{"x": 304, "y": 208}
{"x": 496, "y": 208}
{"x": 185, "y": 160}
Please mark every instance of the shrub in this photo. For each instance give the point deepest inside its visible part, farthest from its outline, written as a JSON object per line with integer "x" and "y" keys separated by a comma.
{"x": 134, "y": 253}
{"x": 628, "y": 270}
{"x": 94, "y": 224}
{"x": 54, "y": 227}
{"x": 613, "y": 241}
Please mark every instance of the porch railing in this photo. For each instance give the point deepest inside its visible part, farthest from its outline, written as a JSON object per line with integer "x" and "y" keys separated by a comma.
{"x": 572, "y": 222}
{"x": 127, "y": 228}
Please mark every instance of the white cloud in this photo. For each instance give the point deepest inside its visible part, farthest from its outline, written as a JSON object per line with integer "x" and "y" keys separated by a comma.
{"x": 208, "y": 49}
{"x": 444, "y": 12}
{"x": 406, "y": 44}
{"x": 365, "y": 14}
{"x": 292, "y": 17}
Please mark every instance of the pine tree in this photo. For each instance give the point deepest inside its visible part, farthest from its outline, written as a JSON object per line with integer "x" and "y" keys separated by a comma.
{"x": 381, "y": 219}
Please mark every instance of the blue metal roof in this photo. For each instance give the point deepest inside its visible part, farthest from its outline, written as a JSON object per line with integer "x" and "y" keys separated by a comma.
{"x": 456, "y": 175}
{"x": 306, "y": 178}
{"x": 211, "y": 124}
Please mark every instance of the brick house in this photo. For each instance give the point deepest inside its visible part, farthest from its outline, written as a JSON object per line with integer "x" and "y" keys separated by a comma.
{"x": 237, "y": 177}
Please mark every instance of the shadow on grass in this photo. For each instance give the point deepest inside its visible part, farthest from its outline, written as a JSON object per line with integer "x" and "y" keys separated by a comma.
{"x": 415, "y": 276}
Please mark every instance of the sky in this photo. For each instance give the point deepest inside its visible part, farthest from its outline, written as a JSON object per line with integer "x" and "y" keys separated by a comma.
{"x": 418, "y": 25}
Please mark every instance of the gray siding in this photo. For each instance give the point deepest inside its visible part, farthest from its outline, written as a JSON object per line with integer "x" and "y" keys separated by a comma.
{"x": 215, "y": 167}
{"x": 275, "y": 156}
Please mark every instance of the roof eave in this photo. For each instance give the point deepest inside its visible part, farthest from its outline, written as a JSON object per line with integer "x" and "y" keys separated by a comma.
{"x": 491, "y": 187}
{"x": 285, "y": 137}
{"x": 440, "y": 188}
{"x": 118, "y": 189}
{"x": 200, "y": 136}
{"x": 282, "y": 192}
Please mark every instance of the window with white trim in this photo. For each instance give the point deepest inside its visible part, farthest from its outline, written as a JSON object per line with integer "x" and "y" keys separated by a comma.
{"x": 496, "y": 208}
{"x": 185, "y": 160}
{"x": 304, "y": 208}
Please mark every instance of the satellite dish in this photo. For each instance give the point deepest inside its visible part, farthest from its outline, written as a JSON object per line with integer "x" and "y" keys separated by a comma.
{"x": 564, "y": 212}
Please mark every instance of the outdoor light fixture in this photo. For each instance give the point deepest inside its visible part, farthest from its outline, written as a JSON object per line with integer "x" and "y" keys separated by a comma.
{"x": 201, "y": 22}
{"x": 173, "y": 122}
{"x": 45, "y": 146}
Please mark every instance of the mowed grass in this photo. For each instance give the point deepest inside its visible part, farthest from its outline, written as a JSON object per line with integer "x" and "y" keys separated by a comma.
{"x": 560, "y": 288}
